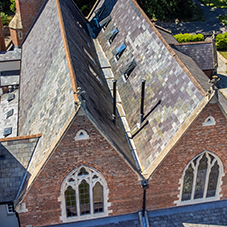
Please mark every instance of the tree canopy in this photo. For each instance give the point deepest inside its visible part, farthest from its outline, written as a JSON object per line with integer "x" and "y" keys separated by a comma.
{"x": 85, "y": 5}
{"x": 167, "y": 9}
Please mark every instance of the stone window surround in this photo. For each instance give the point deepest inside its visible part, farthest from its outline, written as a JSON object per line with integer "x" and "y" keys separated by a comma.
{"x": 75, "y": 186}
{"x": 209, "y": 121}
{"x": 219, "y": 182}
{"x": 81, "y": 135}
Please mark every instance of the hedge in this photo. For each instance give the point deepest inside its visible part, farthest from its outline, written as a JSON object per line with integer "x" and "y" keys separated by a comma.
{"x": 221, "y": 41}
{"x": 185, "y": 38}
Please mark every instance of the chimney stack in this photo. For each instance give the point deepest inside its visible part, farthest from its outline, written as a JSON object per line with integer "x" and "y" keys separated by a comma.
{"x": 2, "y": 39}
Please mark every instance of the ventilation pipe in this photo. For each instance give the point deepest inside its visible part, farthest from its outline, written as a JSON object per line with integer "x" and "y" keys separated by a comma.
{"x": 142, "y": 101}
{"x": 114, "y": 101}
{"x": 145, "y": 186}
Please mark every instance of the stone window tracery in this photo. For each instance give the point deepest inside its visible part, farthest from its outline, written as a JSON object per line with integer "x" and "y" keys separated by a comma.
{"x": 201, "y": 179}
{"x": 84, "y": 195}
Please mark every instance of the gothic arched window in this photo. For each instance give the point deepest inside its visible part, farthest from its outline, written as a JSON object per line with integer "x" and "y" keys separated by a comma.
{"x": 201, "y": 179}
{"x": 84, "y": 195}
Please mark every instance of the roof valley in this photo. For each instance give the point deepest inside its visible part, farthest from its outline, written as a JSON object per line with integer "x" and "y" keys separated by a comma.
{"x": 109, "y": 76}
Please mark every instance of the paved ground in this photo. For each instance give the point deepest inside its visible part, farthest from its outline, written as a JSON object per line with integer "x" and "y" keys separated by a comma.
{"x": 205, "y": 27}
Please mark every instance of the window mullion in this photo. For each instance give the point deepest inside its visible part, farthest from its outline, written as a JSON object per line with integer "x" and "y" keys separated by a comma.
{"x": 207, "y": 176}
{"x": 77, "y": 199}
{"x": 91, "y": 196}
{"x": 194, "y": 179}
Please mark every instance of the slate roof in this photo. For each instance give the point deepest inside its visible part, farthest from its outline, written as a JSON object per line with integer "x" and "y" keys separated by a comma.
{"x": 126, "y": 220}
{"x": 45, "y": 75}
{"x": 98, "y": 102}
{"x": 167, "y": 35}
{"x": 10, "y": 55}
{"x": 6, "y": 106}
{"x": 51, "y": 70}
{"x": 172, "y": 93}
{"x": 200, "y": 52}
{"x": 195, "y": 70}
{"x": 9, "y": 78}
{"x": 14, "y": 158}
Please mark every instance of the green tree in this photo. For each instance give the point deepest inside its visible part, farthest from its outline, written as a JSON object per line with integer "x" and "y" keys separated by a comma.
{"x": 4, "y": 18}
{"x": 13, "y": 6}
{"x": 167, "y": 9}
{"x": 4, "y": 5}
{"x": 85, "y": 5}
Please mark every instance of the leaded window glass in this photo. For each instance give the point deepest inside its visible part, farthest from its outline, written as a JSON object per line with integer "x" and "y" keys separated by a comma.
{"x": 213, "y": 180}
{"x": 98, "y": 198}
{"x": 70, "y": 200}
{"x": 84, "y": 198}
{"x": 201, "y": 178}
{"x": 85, "y": 194}
{"x": 188, "y": 181}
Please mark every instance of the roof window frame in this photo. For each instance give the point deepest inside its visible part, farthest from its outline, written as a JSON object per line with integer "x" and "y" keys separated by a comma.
{"x": 110, "y": 37}
{"x": 119, "y": 51}
{"x": 104, "y": 23}
{"x": 127, "y": 69}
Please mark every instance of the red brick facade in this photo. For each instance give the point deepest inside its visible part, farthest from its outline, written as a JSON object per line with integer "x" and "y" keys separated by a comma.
{"x": 125, "y": 192}
{"x": 28, "y": 11}
{"x": 163, "y": 187}
{"x": 2, "y": 40}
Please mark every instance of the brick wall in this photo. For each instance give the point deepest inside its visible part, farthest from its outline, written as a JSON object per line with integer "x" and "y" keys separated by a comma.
{"x": 125, "y": 192}
{"x": 2, "y": 40}
{"x": 29, "y": 10}
{"x": 164, "y": 184}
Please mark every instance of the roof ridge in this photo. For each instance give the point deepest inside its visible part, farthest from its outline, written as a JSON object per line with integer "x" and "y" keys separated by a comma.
{"x": 192, "y": 78}
{"x": 190, "y": 43}
{"x": 21, "y": 137}
{"x": 164, "y": 29}
{"x": 67, "y": 52}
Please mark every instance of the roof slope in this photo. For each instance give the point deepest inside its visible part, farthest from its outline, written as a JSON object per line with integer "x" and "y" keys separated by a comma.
{"x": 51, "y": 69}
{"x": 172, "y": 93}
{"x": 98, "y": 103}
{"x": 195, "y": 70}
{"x": 46, "y": 95}
{"x": 200, "y": 52}
{"x": 14, "y": 158}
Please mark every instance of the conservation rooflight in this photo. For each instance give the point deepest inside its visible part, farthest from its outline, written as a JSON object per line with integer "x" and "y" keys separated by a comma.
{"x": 100, "y": 11}
{"x": 119, "y": 51}
{"x": 105, "y": 22}
{"x": 127, "y": 69}
{"x": 110, "y": 37}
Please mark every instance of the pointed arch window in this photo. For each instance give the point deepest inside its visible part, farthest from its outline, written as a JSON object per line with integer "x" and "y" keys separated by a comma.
{"x": 84, "y": 195}
{"x": 201, "y": 179}
{"x": 70, "y": 200}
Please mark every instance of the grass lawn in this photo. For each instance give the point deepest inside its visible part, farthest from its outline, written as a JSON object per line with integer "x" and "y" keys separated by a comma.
{"x": 215, "y": 3}
{"x": 223, "y": 53}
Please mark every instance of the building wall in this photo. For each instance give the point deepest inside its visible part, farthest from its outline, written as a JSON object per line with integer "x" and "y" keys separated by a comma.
{"x": 125, "y": 192}
{"x": 29, "y": 11}
{"x": 164, "y": 184}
